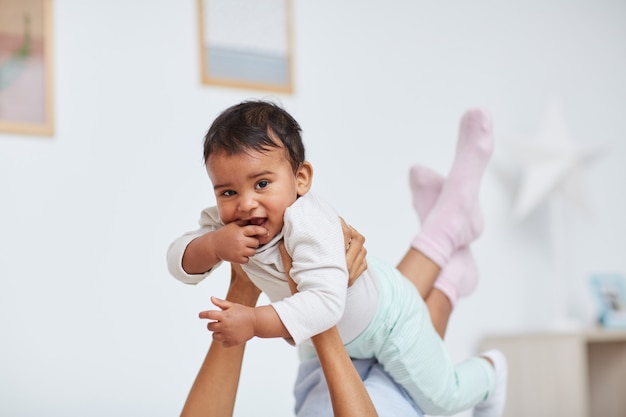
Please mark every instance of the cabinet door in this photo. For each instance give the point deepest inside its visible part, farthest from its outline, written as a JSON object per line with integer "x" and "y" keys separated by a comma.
{"x": 607, "y": 378}
{"x": 547, "y": 375}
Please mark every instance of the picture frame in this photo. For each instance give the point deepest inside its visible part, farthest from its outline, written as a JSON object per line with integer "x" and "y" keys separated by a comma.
{"x": 610, "y": 294}
{"x": 26, "y": 67}
{"x": 246, "y": 44}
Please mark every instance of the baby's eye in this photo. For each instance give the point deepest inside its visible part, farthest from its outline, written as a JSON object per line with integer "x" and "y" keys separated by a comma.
{"x": 262, "y": 184}
{"x": 228, "y": 193}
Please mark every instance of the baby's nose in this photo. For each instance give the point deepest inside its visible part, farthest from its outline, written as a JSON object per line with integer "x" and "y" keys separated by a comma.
{"x": 247, "y": 203}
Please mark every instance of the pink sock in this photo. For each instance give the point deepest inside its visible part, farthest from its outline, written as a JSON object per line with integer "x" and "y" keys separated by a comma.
{"x": 456, "y": 220}
{"x": 459, "y": 277}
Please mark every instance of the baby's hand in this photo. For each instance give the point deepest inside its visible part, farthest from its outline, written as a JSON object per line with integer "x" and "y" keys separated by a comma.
{"x": 232, "y": 325}
{"x": 236, "y": 243}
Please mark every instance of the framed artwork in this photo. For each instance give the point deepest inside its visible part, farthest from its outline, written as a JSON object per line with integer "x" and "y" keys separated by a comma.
{"x": 246, "y": 44}
{"x": 610, "y": 294}
{"x": 26, "y": 67}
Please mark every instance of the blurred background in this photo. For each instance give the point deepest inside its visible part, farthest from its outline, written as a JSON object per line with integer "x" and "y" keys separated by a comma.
{"x": 91, "y": 322}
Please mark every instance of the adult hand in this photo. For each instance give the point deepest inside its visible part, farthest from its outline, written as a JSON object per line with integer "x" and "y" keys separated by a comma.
{"x": 355, "y": 252}
{"x": 355, "y": 255}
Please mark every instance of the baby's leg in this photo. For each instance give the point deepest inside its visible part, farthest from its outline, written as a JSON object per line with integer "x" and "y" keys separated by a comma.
{"x": 457, "y": 278}
{"x": 456, "y": 220}
{"x": 414, "y": 354}
{"x": 493, "y": 405}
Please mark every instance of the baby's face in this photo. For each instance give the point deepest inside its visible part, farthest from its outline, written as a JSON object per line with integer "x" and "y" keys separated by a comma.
{"x": 253, "y": 188}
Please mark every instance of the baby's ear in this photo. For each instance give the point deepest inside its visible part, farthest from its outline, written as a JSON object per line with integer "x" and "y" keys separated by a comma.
{"x": 304, "y": 177}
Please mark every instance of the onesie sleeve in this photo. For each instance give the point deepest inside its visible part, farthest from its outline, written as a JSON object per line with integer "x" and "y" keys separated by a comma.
{"x": 314, "y": 240}
{"x": 209, "y": 222}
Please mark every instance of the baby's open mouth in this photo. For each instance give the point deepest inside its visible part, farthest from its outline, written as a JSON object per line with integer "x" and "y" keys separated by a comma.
{"x": 256, "y": 221}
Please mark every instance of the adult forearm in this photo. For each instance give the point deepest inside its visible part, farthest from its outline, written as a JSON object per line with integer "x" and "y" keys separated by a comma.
{"x": 215, "y": 387}
{"x": 214, "y": 390}
{"x": 348, "y": 394}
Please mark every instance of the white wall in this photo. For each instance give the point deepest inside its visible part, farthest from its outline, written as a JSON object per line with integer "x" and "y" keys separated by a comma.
{"x": 90, "y": 321}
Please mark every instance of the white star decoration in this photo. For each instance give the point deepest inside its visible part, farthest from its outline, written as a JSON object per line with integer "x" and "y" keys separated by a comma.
{"x": 551, "y": 164}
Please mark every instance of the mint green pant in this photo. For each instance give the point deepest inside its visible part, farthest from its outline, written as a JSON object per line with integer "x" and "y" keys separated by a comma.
{"x": 401, "y": 336}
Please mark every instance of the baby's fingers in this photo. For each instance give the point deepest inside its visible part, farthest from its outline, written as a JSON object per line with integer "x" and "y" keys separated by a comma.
{"x": 218, "y": 337}
{"x": 223, "y": 304}
{"x": 214, "y": 315}
{"x": 214, "y": 326}
{"x": 255, "y": 231}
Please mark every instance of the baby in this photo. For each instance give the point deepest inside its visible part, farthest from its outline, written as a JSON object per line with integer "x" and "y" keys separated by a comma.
{"x": 255, "y": 159}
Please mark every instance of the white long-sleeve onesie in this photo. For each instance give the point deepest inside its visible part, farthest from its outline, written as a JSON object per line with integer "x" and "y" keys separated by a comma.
{"x": 314, "y": 240}
{"x": 384, "y": 316}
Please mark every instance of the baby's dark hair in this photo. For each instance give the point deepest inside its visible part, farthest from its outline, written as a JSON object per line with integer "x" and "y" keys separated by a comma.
{"x": 247, "y": 126}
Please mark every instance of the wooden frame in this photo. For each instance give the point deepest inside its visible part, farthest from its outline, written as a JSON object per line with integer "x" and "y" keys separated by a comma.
{"x": 26, "y": 73}
{"x": 246, "y": 44}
